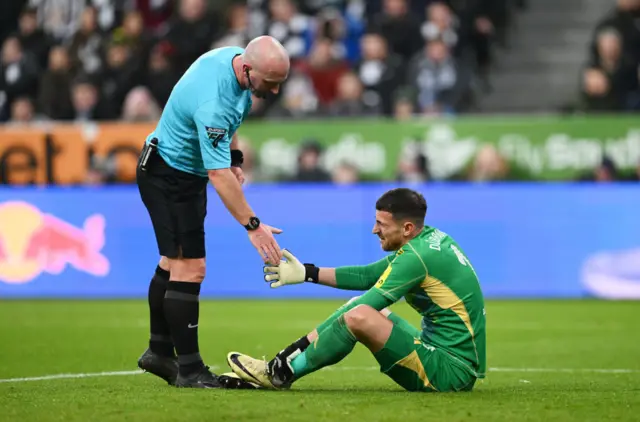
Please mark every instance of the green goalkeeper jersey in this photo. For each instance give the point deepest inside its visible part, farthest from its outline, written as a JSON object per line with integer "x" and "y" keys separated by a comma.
{"x": 437, "y": 280}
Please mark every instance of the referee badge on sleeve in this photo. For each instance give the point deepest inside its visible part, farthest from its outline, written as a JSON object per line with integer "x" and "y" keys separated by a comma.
{"x": 215, "y": 135}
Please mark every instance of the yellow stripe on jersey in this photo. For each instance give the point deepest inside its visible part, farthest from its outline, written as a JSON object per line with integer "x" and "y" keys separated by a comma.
{"x": 383, "y": 277}
{"x": 413, "y": 363}
{"x": 445, "y": 298}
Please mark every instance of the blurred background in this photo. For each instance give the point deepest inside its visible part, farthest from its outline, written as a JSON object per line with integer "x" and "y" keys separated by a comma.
{"x": 447, "y": 96}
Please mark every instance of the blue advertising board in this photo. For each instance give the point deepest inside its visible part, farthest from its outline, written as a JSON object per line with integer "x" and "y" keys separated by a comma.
{"x": 524, "y": 240}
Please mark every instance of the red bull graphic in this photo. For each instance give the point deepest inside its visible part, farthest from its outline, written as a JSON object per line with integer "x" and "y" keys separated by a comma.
{"x": 33, "y": 242}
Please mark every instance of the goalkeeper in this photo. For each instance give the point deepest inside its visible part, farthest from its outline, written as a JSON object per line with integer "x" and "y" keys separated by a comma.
{"x": 429, "y": 269}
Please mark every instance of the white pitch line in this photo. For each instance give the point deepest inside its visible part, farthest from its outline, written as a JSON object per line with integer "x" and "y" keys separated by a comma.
{"x": 81, "y": 375}
{"x": 339, "y": 368}
{"x": 63, "y": 376}
{"x": 568, "y": 370}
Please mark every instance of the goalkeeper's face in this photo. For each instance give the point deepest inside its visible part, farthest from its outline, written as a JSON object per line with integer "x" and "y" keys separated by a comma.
{"x": 392, "y": 233}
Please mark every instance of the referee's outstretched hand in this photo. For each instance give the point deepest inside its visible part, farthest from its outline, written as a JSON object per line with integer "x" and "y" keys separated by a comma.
{"x": 262, "y": 239}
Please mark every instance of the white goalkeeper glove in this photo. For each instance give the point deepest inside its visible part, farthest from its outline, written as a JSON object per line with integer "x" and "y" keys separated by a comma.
{"x": 290, "y": 271}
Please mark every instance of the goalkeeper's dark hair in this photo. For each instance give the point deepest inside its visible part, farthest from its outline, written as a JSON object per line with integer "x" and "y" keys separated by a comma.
{"x": 404, "y": 204}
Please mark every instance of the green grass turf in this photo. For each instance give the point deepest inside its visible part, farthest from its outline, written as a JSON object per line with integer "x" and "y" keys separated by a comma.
{"x": 52, "y": 337}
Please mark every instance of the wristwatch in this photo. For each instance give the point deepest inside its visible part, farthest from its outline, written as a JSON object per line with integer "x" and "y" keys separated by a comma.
{"x": 254, "y": 223}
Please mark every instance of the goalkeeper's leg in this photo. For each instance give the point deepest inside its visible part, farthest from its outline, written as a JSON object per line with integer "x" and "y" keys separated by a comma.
{"x": 332, "y": 341}
{"x": 361, "y": 324}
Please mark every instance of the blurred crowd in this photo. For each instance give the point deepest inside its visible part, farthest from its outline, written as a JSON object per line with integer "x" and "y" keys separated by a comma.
{"x": 610, "y": 80}
{"x": 487, "y": 166}
{"x": 97, "y": 60}
{"x": 84, "y": 60}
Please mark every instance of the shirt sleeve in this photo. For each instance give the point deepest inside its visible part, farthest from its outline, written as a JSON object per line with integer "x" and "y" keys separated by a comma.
{"x": 214, "y": 137}
{"x": 361, "y": 277}
{"x": 405, "y": 272}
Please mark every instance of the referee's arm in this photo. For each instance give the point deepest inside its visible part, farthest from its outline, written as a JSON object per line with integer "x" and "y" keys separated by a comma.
{"x": 230, "y": 191}
{"x": 215, "y": 146}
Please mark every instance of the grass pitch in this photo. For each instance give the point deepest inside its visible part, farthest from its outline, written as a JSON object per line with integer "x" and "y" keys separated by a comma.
{"x": 549, "y": 360}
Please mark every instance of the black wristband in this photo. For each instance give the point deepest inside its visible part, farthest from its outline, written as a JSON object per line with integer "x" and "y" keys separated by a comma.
{"x": 311, "y": 273}
{"x": 237, "y": 158}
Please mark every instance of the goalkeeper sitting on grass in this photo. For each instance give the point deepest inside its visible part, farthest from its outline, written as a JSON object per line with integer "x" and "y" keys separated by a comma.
{"x": 429, "y": 270}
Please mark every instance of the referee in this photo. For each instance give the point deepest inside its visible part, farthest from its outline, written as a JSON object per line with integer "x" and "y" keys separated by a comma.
{"x": 193, "y": 143}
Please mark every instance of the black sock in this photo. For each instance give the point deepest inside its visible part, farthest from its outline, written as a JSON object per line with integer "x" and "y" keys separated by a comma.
{"x": 277, "y": 363}
{"x": 160, "y": 338}
{"x": 181, "y": 309}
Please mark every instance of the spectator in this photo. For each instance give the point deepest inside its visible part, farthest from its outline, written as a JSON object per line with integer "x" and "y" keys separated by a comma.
{"x": 86, "y": 46}
{"x": 350, "y": 101}
{"x": 621, "y": 70}
{"x": 345, "y": 174}
{"x": 9, "y": 16}
{"x": 606, "y": 171}
{"x": 441, "y": 85}
{"x": 237, "y": 34}
{"x": 608, "y": 82}
{"x": 139, "y": 106}
{"x": 324, "y": 70}
{"x": 379, "y": 71}
{"x": 33, "y": 39}
{"x": 309, "y": 169}
{"x": 476, "y": 30}
{"x": 59, "y": 19}
{"x": 314, "y": 7}
{"x": 441, "y": 24}
{"x": 625, "y": 19}
{"x": 18, "y": 75}
{"x": 135, "y": 37}
{"x": 373, "y": 8}
{"x": 343, "y": 30}
{"x": 488, "y": 165}
{"x": 155, "y": 14}
{"x": 87, "y": 103}
{"x": 119, "y": 76}
{"x": 54, "y": 98}
{"x": 192, "y": 32}
{"x": 404, "y": 108}
{"x": 400, "y": 28}
{"x": 597, "y": 94}
{"x": 413, "y": 166}
{"x": 289, "y": 27}
{"x": 22, "y": 111}
{"x": 298, "y": 99}
{"x": 162, "y": 75}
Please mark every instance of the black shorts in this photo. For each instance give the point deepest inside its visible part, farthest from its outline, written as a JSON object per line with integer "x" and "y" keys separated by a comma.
{"x": 177, "y": 204}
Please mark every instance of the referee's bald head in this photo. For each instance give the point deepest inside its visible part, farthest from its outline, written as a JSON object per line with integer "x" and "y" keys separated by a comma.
{"x": 266, "y": 65}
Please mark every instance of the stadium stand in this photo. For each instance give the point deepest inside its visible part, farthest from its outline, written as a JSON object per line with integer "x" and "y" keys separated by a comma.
{"x": 88, "y": 61}
{"x": 79, "y": 60}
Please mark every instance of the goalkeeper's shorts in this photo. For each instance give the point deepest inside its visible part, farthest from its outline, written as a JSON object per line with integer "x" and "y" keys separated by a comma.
{"x": 417, "y": 366}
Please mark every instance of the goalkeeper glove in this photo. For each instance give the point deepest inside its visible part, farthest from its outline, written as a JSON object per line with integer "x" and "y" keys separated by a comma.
{"x": 290, "y": 271}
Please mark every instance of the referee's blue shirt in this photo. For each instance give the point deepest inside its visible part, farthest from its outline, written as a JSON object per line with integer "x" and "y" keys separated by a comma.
{"x": 205, "y": 109}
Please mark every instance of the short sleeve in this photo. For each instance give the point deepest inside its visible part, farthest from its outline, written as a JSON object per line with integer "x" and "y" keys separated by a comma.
{"x": 215, "y": 140}
{"x": 406, "y": 271}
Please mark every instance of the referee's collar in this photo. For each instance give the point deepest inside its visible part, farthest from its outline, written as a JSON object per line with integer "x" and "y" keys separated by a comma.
{"x": 237, "y": 85}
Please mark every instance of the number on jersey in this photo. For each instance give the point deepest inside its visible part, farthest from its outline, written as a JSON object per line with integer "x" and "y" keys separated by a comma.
{"x": 462, "y": 258}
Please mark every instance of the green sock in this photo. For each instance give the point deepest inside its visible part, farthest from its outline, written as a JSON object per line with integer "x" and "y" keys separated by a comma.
{"x": 333, "y": 344}
{"x": 300, "y": 365}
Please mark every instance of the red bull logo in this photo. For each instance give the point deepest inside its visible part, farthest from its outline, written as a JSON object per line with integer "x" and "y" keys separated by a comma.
{"x": 32, "y": 243}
